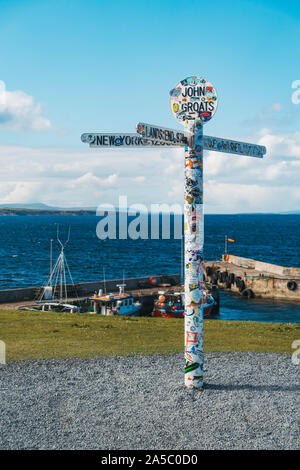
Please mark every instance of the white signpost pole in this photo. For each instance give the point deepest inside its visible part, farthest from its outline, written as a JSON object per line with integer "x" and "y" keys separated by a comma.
{"x": 194, "y": 241}
{"x": 193, "y": 102}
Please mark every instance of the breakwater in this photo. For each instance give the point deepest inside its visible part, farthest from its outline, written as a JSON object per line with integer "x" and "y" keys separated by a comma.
{"x": 85, "y": 289}
{"x": 252, "y": 278}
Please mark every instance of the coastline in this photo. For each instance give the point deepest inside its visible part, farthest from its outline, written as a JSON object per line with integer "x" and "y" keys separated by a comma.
{"x": 37, "y": 212}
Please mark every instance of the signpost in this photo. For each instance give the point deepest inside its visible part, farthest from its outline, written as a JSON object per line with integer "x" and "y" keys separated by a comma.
{"x": 193, "y": 102}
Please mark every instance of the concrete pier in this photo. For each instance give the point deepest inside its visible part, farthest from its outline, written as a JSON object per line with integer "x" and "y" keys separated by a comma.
{"x": 251, "y": 278}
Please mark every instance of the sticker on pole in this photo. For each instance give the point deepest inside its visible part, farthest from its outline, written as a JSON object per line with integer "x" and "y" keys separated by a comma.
{"x": 193, "y": 99}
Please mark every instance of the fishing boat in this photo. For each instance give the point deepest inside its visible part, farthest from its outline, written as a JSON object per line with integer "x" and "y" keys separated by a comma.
{"x": 53, "y": 307}
{"x": 56, "y": 294}
{"x": 121, "y": 303}
{"x": 171, "y": 305}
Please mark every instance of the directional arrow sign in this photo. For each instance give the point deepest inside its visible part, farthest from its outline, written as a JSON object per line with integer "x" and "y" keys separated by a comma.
{"x": 232, "y": 146}
{"x": 121, "y": 140}
{"x": 217, "y": 144}
{"x": 163, "y": 134}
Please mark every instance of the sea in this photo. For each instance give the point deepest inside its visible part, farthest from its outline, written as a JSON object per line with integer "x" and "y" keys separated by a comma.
{"x": 25, "y": 259}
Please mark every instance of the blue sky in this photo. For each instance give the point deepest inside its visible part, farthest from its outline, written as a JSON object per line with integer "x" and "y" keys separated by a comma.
{"x": 103, "y": 66}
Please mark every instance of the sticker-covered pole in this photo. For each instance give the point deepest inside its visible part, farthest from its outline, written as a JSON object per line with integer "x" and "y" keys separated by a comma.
{"x": 194, "y": 240}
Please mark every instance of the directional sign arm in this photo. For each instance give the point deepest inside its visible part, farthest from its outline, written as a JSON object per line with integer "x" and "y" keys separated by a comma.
{"x": 163, "y": 134}
{"x": 121, "y": 140}
{"x": 217, "y": 144}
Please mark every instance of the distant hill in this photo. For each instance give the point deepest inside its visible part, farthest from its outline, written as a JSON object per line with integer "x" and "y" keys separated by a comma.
{"x": 38, "y": 208}
{"x": 291, "y": 213}
{"x": 41, "y": 206}
{"x": 34, "y": 205}
{"x": 8, "y": 211}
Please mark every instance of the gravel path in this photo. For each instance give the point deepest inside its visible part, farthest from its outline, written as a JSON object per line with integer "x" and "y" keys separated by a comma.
{"x": 251, "y": 401}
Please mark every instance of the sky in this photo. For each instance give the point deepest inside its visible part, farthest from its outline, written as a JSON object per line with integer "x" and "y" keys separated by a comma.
{"x": 96, "y": 66}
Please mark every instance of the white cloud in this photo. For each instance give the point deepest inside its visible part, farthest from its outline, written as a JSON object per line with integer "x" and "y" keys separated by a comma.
{"x": 139, "y": 179}
{"x": 18, "y": 111}
{"x": 274, "y": 115}
{"x": 14, "y": 192}
{"x": 89, "y": 180}
{"x": 233, "y": 198}
{"x": 88, "y": 177}
{"x": 176, "y": 192}
{"x": 276, "y": 107}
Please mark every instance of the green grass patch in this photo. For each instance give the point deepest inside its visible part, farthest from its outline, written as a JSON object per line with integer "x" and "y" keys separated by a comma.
{"x": 35, "y": 335}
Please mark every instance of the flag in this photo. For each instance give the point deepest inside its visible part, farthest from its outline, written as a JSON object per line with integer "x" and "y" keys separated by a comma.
{"x": 230, "y": 240}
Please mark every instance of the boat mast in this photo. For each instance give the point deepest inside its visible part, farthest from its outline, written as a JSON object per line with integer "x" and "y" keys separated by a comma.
{"x": 62, "y": 269}
{"x": 104, "y": 282}
{"x": 57, "y": 281}
{"x": 122, "y": 286}
{"x": 51, "y": 241}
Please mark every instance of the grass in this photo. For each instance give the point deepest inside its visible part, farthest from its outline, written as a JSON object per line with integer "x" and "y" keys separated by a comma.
{"x": 34, "y": 335}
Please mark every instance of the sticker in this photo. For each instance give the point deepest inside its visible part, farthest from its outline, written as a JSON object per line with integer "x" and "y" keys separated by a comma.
{"x": 191, "y": 337}
{"x": 190, "y": 366}
{"x": 118, "y": 141}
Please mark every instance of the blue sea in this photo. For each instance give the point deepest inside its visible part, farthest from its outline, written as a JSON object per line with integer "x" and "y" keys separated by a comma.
{"x": 25, "y": 242}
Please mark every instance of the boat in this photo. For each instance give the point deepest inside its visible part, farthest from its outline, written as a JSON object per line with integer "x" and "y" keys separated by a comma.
{"x": 121, "y": 303}
{"x": 53, "y": 307}
{"x": 56, "y": 294}
{"x": 171, "y": 305}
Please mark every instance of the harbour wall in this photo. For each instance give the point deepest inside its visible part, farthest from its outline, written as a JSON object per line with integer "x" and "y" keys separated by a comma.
{"x": 252, "y": 278}
{"x": 85, "y": 289}
{"x": 262, "y": 267}
{"x": 263, "y": 279}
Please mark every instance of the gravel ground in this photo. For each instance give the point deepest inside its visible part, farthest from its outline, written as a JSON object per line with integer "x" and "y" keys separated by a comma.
{"x": 251, "y": 401}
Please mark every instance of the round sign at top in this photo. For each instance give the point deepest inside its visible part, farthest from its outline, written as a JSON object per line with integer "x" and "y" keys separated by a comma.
{"x": 193, "y": 99}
